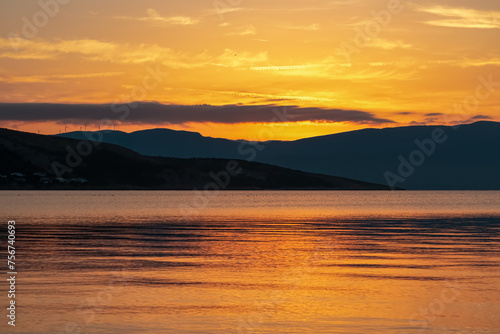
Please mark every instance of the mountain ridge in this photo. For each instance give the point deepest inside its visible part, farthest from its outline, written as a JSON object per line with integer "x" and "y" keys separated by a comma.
{"x": 467, "y": 160}
{"x": 31, "y": 161}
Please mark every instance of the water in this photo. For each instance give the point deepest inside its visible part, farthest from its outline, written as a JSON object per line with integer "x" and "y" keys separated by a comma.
{"x": 255, "y": 262}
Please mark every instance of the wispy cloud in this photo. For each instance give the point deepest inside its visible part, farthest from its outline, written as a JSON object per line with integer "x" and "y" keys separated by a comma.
{"x": 479, "y": 62}
{"x": 285, "y": 67}
{"x": 267, "y": 97}
{"x": 385, "y": 44}
{"x": 310, "y": 27}
{"x": 221, "y": 10}
{"x": 344, "y": 2}
{"x": 98, "y": 51}
{"x": 156, "y": 18}
{"x": 57, "y": 78}
{"x": 248, "y": 30}
{"x": 343, "y": 71}
{"x": 232, "y": 58}
{"x": 42, "y": 49}
{"x": 466, "y": 62}
{"x": 462, "y": 17}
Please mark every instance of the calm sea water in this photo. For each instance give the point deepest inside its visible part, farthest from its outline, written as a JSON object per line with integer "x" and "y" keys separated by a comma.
{"x": 254, "y": 262}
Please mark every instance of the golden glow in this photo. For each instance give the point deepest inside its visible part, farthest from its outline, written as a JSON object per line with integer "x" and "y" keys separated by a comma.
{"x": 422, "y": 61}
{"x": 463, "y": 17}
{"x": 248, "y": 131}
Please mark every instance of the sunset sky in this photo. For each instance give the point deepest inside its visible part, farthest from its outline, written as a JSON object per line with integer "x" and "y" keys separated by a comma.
{"x": 232, "y": 68}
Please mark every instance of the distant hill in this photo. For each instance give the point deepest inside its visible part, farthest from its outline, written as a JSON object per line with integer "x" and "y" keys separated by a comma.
{"x": 27, "y": 162}
{"x": 469, "y": 157}
{"x": 167, "y": 143}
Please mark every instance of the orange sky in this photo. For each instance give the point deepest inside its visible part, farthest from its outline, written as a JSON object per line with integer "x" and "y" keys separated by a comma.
{"x": 420, "y": 61}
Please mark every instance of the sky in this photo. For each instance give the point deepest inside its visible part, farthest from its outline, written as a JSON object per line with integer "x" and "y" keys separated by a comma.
{"x": 243, "y": 69}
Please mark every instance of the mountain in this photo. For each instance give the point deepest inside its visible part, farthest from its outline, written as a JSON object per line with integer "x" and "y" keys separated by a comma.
{"x": 165, "y": 143}
{"x": 30, "y": 161}
{"x": 465, "y": 158}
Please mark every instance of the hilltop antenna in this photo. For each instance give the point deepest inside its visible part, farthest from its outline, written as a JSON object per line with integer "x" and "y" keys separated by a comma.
{"x": 65, "y": 129}
{"x": 99, "y": 127}
{"x": 85, "y": 127}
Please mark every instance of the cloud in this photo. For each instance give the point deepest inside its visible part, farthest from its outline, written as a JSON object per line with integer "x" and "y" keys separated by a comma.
{"x": 268, "y": 97}
{"x": 472, "y": 119}
{"x": 41, "y": 49}
{"x": 480, "y": 117}
{"x": 285, "y": 67}
{"x": 465, "y": 62}
{"x": 248, "y": 30}
{"x": 414, "y": 123}
{"x": 57, "y": 78}
{"x": 155, "y": 18}
{"x": 439, "y": 119}
{"x": 232, "y": 58}
{"x": 462, "y": 17}
{"x": 155, "y": 113}
{"x": 310, "y": 27}
{"x": 384, "y": 44}
{"x": 99, "y": 51}
{"x": 342, "y": 72}
{"x": 478, "y": 62}
{"x": 344, "y": 2}
{"x": 221, "y": 9}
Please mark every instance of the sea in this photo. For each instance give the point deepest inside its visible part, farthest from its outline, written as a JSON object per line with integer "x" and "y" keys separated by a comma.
{"x": 392, "y": 262}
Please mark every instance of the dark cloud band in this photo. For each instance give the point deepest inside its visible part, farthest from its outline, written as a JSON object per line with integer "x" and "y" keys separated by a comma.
{"x": 155, "y": 113}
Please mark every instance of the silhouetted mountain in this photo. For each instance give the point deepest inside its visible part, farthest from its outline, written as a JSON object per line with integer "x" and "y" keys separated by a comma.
{"x": 165, "y": 143}
{"x": 466, "y": 158}
{"x": 49, "y": 162}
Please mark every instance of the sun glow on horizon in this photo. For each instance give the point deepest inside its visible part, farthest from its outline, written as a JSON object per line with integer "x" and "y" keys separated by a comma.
{"x": 415, "y": 67}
